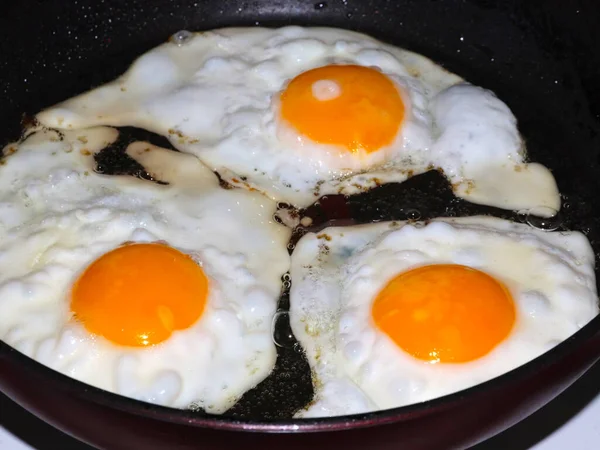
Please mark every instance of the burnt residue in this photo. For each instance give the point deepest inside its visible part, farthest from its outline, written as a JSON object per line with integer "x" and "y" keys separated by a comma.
{"x": 113, "y": 160}
{"x": 422, "y": 197}
{"x": 289, "y": 387}
{"x": 429, "y": 195}
{"x": 28, "y": 122}
{"x": 223, "y": 183}
{"x": 283, "y": 393}
{"x": 132, "y": 134}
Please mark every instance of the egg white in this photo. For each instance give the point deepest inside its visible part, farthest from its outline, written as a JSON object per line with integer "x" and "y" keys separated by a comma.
{"x": 215, "y": 95}
{"x": 57, "y": 216}
{"x": 338, "y": 272}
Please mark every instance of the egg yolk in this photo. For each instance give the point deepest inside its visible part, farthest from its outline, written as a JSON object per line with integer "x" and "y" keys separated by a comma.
{"x": 354, "y": 107}
{"x": 138, "y": 294}
{"x": 445, "y": 313}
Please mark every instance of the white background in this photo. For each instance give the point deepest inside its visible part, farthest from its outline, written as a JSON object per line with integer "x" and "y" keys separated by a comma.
{"x": 570, "y": 422}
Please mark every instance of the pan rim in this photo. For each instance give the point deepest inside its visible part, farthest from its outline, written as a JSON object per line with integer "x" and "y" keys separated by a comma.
{"x": 176, "y": 416}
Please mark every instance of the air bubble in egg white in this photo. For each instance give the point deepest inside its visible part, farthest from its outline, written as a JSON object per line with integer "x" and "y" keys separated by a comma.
{"x": 14, "y": 289}
{"x": 347, "y": 321}
{"x": 412, "y": 256}
{"x": 52, "y": 274}
{"x": 62, "y": 175}
{"x": 125, "y": 381}
{"x": 181, "y": 37}
{"x": 153, "y": 71}
{"x": 382, "y": 61}
{"x": 227, "y": 321}
{"x": 69, "y": 340}
{"x": 268, "y": 72}
{"x": 45, "y": 352}
{"x": 165, "y": 388}
{"x": 243, "y": 276}
{"x": 361, "y": 283}
{"x": 211, "y": 253}
{"x": 238, "y": 259}
{"x": 258, "y": 303}
{"x": 468, "y": 257}
{"x": 417, "y": 384}
{"x": 92, "y": 214}
{"x": 258, "y": 342}
{"x": 366, "y": 372}
{"x": 534, "y": 303}
{"x": 354, "y": 352}
{"x": 31, "y": 190}
{"x": 366, "y": 270}
{"x": 142, "y": 235}
{"x": 400, "y": 387}
{"x": 341, "y": 46}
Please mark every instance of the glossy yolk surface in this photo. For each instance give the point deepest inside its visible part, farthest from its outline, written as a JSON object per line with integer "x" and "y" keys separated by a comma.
{"x": 138, "y": 294}
{"x": 350, "y": 106}
{"x": 445, "y": 313}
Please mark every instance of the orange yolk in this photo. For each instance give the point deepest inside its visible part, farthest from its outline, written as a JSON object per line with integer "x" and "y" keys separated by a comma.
{"x": 138, "y": 294}
{"x": 445, "y": 313}
{"x": 353, "y": 107}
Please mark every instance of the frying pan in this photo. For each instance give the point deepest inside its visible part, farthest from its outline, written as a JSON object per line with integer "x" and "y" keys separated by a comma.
{"x": 540, "y": 57}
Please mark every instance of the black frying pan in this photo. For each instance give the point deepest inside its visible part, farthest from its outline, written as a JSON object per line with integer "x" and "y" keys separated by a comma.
{"x": 540, "y": 57}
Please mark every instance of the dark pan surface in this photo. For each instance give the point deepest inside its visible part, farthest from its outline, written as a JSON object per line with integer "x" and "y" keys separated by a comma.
{"x": 525, "y": 51}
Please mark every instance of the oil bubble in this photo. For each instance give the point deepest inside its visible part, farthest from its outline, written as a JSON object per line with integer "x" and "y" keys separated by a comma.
{"x": 181, "y": 37}
{"x": 281, "y": 332}
{"x": 522, "y": 215}
{"x": 450, "y": 212}
{"x": 544, "y": 218}
{"x": 298, "y": 348}
{"x": 413, "y": 214}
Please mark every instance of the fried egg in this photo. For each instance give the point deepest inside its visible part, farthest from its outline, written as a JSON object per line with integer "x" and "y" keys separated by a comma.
{"x": 158, "y": 292}
{"x": 297, "y": 113}
{"x": 395, "y": 313}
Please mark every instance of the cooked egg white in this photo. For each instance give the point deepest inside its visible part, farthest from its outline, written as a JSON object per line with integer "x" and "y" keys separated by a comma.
{"x": 297, "y": 113}
{"x": 395, "y": 313}
{"x": 156, "y": 292}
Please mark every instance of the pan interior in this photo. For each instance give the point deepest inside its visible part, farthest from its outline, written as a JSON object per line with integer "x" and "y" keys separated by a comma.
{"x": 541, "y": 62}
